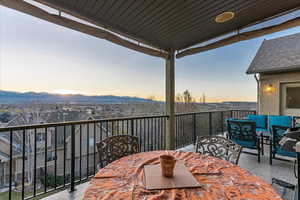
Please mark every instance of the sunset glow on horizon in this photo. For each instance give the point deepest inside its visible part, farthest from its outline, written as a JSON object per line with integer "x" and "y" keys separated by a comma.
{"x": 50, "y": 58}
{"x": 66, "y": 91}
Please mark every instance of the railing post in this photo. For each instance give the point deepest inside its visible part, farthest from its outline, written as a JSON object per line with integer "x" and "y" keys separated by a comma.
{"x": 194, "y": 129}
{"x": 72, "y": 188}
{"x": 170, "y": 101}
{"x": 210, "y": 125}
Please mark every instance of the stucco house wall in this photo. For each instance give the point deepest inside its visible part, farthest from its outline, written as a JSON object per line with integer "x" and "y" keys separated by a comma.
{"x": 270, "y": 101}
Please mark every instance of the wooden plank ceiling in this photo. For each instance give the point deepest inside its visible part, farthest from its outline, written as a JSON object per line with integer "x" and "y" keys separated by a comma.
{"x": 169, "y": 24}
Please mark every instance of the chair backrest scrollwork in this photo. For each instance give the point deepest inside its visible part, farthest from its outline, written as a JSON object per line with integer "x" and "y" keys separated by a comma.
{"x": 116, "y": 147}
{"x": 219, "y": 147}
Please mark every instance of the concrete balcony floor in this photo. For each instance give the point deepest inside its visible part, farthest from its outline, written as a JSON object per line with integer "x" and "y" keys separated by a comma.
{"x": 280, "y": 169}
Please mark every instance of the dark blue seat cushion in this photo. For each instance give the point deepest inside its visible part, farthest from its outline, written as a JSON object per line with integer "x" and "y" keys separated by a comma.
{"x": 276, "y": 137}
{"x": 260, "y": 120}
{"x": 286, "y": 121}
{"x": 282, "y": 152}
{"x": 242, "y": 129}
{"x": 246, "y": 144}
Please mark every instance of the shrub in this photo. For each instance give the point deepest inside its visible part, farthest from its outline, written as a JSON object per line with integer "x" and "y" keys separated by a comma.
{"x": 50, "y": 180}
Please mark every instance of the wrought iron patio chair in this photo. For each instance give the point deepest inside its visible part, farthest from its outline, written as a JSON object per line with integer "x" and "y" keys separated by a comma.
{"x": 275, "y": 148}
{"x": 243, "y": 132}
{"x": 116, "y": 147}
{"x": 219, "y": 147}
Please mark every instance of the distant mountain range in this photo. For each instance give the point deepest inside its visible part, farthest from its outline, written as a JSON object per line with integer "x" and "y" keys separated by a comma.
{"x": 9, "y": 97}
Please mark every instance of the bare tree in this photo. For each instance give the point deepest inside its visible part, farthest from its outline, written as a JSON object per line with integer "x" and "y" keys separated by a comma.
{"x": 185, "y": 102}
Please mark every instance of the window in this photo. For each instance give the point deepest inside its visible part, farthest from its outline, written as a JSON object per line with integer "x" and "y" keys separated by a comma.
{"x": 50, "y": 156}
{"x": 40, "y": 137}
{"x": 293, "y": 97}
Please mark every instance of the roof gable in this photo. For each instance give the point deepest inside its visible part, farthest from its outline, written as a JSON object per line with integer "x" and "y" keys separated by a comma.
{"x": 277, "y": 55}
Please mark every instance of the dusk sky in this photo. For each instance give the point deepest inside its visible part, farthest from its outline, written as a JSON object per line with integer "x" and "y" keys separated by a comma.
{"x": 38, "y": 56}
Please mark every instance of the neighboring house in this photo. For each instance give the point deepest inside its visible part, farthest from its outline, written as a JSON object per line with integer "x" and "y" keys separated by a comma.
{"x": 86, "y": 139}
{"x": 29, "y": 119}
{"x": 277, "y": 69}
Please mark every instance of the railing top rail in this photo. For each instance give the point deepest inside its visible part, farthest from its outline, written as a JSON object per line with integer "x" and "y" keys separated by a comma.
{"x": 70, "y": 123}
{"x": 212, "y": 111}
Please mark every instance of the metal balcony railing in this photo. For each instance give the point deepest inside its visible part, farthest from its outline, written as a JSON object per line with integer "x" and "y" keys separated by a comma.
{"x": 48, "y": 157}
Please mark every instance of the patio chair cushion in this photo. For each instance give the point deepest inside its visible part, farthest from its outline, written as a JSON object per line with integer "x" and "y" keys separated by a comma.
{"x": 242, "y": 132}
{"x": 246, "y": 144}
{"x": 240, "y": 120}
{"x": 286, "y": 121}
{"x": 260, "y": 120}
{"x": 281, "y": 152}
{"x": 277, "y": 134}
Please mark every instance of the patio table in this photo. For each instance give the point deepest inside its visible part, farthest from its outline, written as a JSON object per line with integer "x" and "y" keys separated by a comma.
{"x": 123, "y": 179}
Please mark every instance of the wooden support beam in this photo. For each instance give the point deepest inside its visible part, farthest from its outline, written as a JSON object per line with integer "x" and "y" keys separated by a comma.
{"x": 170, "y": 101}
{"x": 35, "y": 11}
{"x": 241, "y": 37}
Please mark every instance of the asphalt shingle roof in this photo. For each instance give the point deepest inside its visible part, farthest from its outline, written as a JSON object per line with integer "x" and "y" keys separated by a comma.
{"x": 277, "y": 55}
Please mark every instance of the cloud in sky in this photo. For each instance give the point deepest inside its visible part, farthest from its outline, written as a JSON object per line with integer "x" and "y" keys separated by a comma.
{"x": 40, "y": 56}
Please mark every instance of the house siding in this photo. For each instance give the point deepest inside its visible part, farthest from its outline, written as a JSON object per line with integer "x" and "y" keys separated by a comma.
{"x": 270, "y": 102}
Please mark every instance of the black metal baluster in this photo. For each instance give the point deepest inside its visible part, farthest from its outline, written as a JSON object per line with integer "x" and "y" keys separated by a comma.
{"x": 177, "y": 132}
{"x": 158, "y": 133}
{"x": 156, "y": 136}
{"x": 181, "y": 137}
{"x": 80, "y": 151}
{"x": 101, "y": 135}
{"x": 136, "y": 128}
{"x": 87, "y": 150}
{"x": 194, "y": 129}
{"x": 72, "y": 179}
{"x": 222, "y": 122}
{"x": 152, "y": 134}
{"x": 10, "y": 164}
{"x": 183, "y": 130}
{"x": 209, "y": 124}
{"x": 132, "y": 126}
{"x": 94, "y": 148}
{"x": 45, "y": 175}
{"x": 34, "y": 167}
{"x": 65, "y": 156}
{"x": 127, "y": 126}
{"x": 122, "y": 127}
{"x": 23, "y": 166}
{"x": 118, "y": 130}
{"x": 140, "y": 124}
{"x": 106, "y": 128}
{"x": 112, "y": 128}
{"x": 55, "y": 161}
{"x": 165, "y": 127}
{"x": 145, "y": 139}
{"x": 148, "y": 135}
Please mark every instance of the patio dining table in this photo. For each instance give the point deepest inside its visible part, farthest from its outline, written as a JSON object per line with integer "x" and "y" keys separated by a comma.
{"x": 219, "y": 179}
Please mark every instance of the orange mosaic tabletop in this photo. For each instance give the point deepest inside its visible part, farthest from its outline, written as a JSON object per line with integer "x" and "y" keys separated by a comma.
{"x": 123, "y": 179}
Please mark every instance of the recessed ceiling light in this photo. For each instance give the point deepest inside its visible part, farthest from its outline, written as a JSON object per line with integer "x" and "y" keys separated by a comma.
{"x": 224, "y": 17}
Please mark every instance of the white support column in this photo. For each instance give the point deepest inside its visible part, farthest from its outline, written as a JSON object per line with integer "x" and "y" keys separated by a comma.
{"x": 170, "y": 101}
